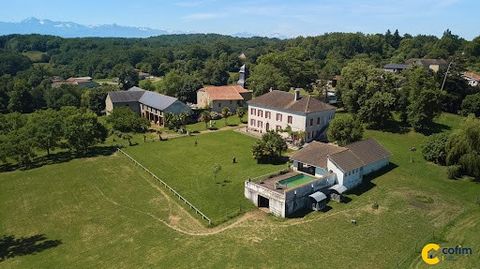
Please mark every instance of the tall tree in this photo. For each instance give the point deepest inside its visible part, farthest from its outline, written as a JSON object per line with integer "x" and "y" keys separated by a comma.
{"x": 127, "y": 76}
{"x": 46, "y": 128}
{"x": 265, "y": 77}
{"x": 82, "y": 130}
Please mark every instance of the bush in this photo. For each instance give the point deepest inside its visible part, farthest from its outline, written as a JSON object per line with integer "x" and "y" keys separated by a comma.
{"x": 125, "y": 120}
{"x": 454, "y": 171}
{"x": 215, "y": 115}
{"x": 434, "y": 150}
{"x": 471, "y": 105}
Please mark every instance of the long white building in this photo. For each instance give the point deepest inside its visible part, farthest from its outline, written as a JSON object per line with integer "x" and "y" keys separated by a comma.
{"x": 276, "y": 110}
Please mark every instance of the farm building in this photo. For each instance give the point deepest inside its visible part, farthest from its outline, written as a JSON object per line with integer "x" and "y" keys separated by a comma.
{"x": 218, "y": 97}
{"x": 319, "y": 172}
{"x": 150, "y": 105}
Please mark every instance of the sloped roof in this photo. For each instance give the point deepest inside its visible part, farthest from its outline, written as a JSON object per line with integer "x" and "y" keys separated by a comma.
{"x": 396, "y": 66}
{"x": 316, "y": 153}
{"x": 347, "y": 158}
{"x": 369, "y": 151}
{"x": 472, "y": 75}
{"x": 125, "y": 96}
{"x": 318, "y": 196}
{"x": 156, "y": 100}
{"x": 286, "y": 101}
{"x": 229, "y": 92}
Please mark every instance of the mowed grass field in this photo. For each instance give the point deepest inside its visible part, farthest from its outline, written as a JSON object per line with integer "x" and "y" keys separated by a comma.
{"x": 189, "y": 169}
{"x": 106, "y": 213}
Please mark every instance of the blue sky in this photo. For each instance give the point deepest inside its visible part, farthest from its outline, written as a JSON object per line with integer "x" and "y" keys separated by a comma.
{"x": 289, "y": 18}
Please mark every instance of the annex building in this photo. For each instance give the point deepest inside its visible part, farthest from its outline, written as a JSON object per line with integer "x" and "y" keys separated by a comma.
{"x": 319, "y": 172}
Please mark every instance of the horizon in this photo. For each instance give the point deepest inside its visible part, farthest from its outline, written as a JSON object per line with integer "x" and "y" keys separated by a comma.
{"x": 262, "y": 18}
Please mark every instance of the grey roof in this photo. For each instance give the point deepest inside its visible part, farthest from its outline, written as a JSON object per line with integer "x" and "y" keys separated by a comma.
{"x": 369, "y": 151}
{"x": 285, "y": 101}
{"x": 156, "y": 100}
{"x": 153, "y": 99}
{"x": 346, "y": 160}
{"x": 125, "y": 96}
{"x": 318, "y": 196}
{"x": 396, "y": 66}
{"x": 338, "y": 188}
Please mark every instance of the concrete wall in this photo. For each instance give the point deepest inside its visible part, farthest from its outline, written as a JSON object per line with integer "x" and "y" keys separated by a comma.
{"x": 297, "y": 199}
{"x": 109, "y": 105}
{"x": 202, "y": 99}
{"x": 375, "y": 166}
{"x": 351, "y": 179}
{"x": 300, "y": 122}
{"x": 276, "y": 200}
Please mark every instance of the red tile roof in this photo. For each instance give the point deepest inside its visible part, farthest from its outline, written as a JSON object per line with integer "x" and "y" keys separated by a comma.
{"x": 472, "y": 75}
{"x": 229, "y": 92}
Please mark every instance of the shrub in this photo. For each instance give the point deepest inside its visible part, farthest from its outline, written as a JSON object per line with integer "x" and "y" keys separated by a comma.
{"x": 125, "y": 120}
{"x": 434, "y": 150}
{"x": 215, "y": 115}
{"x": 454, "y": 171}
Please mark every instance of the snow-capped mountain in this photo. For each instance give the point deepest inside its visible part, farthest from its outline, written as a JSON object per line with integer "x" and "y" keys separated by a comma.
{"x": 71, "y": 29}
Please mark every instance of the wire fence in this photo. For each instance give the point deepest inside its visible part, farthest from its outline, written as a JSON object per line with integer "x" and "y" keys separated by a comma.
{"x": 175, "y": 193}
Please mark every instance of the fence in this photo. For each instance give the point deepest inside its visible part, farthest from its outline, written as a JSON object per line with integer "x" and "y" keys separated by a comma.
{"x": 197, "y": 211}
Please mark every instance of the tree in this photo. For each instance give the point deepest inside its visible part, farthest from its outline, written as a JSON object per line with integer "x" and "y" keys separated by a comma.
{"x": 127, "y": 76}
{"x": 377, "y": 111}
{"x": 225, "y": 114}
{"x": 171, "y": 83}
{"x": 434, "y": 150}
{"x": 205, "y": 117}
{"x": 215, "y": 73}
{"x": 20, "y": 99}
{"x": 424, "y": 98}
{"x": 82, "y": 130}
{"x": 46, "y": 128}
{"x": 463, "y": 148}
{"x": 241, "y": 112}
{"x": 123, "y": 119}
{"x": 345, "y": 130}
{"x": 270, "y": 147}
{"x": 94, "y": 99}
{"x": 265, "y": 77}
{"x": 22, "y": 146}
{"x": 471, "y": 105}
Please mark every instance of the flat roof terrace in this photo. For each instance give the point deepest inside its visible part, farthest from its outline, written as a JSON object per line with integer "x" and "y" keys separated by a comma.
{"x": 282, "y": 182}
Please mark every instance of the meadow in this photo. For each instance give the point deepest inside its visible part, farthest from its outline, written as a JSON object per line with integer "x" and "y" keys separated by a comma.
{"x": 103, "y": 212}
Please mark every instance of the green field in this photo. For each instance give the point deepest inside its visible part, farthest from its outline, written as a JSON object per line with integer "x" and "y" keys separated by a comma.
{"x": 189, "y": 169}
{"x": 106, "y": 213}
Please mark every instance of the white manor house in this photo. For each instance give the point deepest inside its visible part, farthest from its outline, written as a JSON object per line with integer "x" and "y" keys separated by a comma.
{"x": 276, "y": 110}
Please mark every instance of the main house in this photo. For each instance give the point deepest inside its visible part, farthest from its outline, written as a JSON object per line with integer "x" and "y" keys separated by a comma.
{"x": 276, "y": 110}
{"x": 318, "y": 172}
{"x": 218, "y": 97}
{"x": 150, "y": 105}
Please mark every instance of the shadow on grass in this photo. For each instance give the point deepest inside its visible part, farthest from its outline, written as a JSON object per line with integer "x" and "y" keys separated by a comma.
{"x": 275, "y": 161}
{"x": 367, "y": 183}
{"x": 392, "y": 126}
{"x": 435, "y": 128}
{"x": 303, "y": 212}
{"x": 60, "y": 157}
{"x": 11, "y": 247}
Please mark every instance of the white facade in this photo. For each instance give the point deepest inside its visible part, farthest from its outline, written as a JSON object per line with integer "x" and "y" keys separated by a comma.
{"x": 313, "y": 124}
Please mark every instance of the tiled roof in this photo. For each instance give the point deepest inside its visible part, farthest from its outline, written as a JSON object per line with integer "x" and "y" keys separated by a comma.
{"x": 369, "y": 151}
{"x": 286, "y": 101}
{"x": 472, "y": 75}
{"x": 229, "y": 92}
{"x": 316, "y": 153}
{"x": 396, "y": 66}
{"x": 347, "y": 158}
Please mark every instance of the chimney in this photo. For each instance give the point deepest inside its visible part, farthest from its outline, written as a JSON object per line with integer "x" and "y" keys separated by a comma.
{"x": 297, "y": 94}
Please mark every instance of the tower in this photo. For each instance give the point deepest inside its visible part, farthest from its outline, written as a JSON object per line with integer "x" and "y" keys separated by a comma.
{"x": 242, "y": 79}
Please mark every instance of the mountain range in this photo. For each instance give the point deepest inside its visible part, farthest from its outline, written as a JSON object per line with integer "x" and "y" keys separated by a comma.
{"x": 71, "y": 29}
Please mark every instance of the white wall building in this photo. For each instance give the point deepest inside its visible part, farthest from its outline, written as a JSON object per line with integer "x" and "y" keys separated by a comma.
{"x": 278, "y": 109}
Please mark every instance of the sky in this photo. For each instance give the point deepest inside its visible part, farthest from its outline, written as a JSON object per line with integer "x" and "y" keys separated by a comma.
{"x": 263, "y": 17}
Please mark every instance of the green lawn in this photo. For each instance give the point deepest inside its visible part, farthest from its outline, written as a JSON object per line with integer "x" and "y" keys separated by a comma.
{"x": 107, "y": 213}
{"x": 189, "y": 169}
{"x": 233, "y": 120}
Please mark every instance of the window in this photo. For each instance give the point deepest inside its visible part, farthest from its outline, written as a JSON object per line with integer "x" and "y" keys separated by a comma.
{"x": 289, "y": 119}
{"x": 260, "y": 113}
{"x": 252, "y": 111}
{"x": 259, "y": 124}
{"x": 318, "y": 120}
{"x": 278, "y": 128}
{"x": 268, "y": 114}
{"x": 219, "y": 105}
{"x": 311, "y": 122}
{"x": 279, "y": 117}
{"x": 252, "y": 122}
{"x": 231, "y": 102}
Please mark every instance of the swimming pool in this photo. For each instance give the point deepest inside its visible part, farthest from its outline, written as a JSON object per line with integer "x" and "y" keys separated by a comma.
{"x": 296, "y": 180}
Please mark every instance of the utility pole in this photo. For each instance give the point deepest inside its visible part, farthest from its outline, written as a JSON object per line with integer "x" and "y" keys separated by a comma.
{"x": 446, "y": 74}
